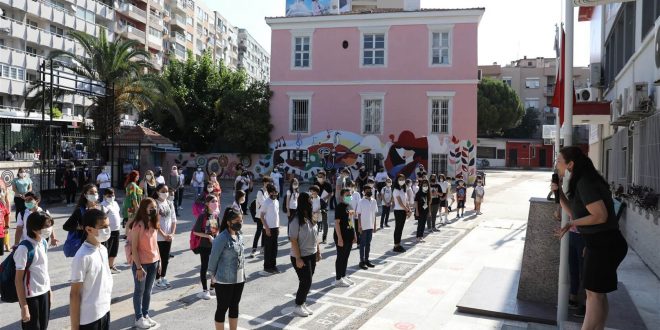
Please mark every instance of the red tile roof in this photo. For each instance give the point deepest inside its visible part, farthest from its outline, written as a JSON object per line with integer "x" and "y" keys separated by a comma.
{"x": 145, "y": 135}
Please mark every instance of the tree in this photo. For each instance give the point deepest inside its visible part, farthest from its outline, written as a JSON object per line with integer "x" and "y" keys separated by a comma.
{"x": 222, "y": 111}
{"x": 499, "y": 107}
{"x": 528, "y": 125}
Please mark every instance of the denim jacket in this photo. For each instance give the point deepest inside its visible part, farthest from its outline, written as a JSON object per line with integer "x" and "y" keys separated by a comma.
{"x": 227, "y": 259}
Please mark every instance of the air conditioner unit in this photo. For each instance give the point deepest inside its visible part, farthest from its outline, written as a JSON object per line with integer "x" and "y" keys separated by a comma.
{"x": 638, "y": 97}
{"x": 587, "y": 95}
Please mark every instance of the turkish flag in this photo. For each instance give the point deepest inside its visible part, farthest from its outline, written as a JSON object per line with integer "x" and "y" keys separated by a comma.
{"x": 558, "y": 96}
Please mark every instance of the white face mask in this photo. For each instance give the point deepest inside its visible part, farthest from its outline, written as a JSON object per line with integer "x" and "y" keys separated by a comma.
{"x": 425, "y": 189}
{"x": 2, "y": 193}
{"x": 110, "y": 199}
{"x": 566, "y": 180}
{"x": 295, "y": 186}
{"x": 170, "y": 198}
{"x": 104, "y": 235}
{"x": 163, "y": 196}
{"x": 401, "y": 183}
{"x": 21, "y": 175}
{"x": 209, "y": 189}
{"x": 148, "y": 176}
{"x": 45, "y": 232}
{"x": 92, "y": 197}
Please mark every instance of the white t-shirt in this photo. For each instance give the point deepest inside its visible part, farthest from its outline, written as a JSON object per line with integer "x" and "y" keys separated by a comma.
{"x": 160, "y": 179}
{"x": 410, "y": 194}
{"x": 112, "y": 210}
{"x": 399, "y": 193}
{"x": 367, "y": 209}
{"x": 276, "y": 176}
{"x": 479, "y": 191}
{"x": 39, "y": 278}
{"x": 443, "y": 186}
{"x": 167, "y": 217}
{"x": 381, "y": 176}
{"x": 90, "y": 267}
{"x": 293, "y": 200}
{"x": 198, "y": 179}
{"x": 261, "y": 197}
{"x": 245, "y": 182}
{"x": 22, "y": 221}
{"x": 104, "y": 180}
{"x": 271, "y": 210}
{"x": 386, "y": 192}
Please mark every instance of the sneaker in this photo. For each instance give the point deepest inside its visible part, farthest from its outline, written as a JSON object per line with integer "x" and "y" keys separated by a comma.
{"x": 362, "y": 265}
{"x": 299, "y": 310}
{"x": 387, "y": 226}
{"x": 204, "y": 295}
{"x": 307, "y": 309}
{"x": 142, "y": 323}
{"x": 341, "y": 283}
{"x": 479, "y": 213}
{"x": 212, "y": 292}
{"x": 580, "y": 312}
{"x": 166, "y": 282}
{"x": 114, "y": 270}
{"x": 152, "y": 322}
{"x": 348, "y": 280}
{"x": 160, "y": 284}
{"x": 254, "y": 253}
{"x": 369, "y": 264}
{"x": 324, "y": 242}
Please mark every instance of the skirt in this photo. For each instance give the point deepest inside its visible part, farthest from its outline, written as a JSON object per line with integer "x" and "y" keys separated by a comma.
{"x": 604, "y": 252}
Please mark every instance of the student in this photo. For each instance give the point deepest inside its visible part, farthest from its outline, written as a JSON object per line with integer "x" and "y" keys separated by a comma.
{"x": 198, "y": 181}
{"x": 31, "y": 206}
{"x": 33, "y": 291}
{"x": 387, "y": 202}
{"x": 276, "y": 176}
{"x": 174, "y": 184}
{"x": 422, "y": 199}
{"x": 227, "y": 266}
{"x": 461, "y": 194}
{"x": 434, "y": 188}
{"x": 206, "y": 227}
{"x": 361, "y": 180}
{"x": 160, "y": 179}
{"x": 262, "y": 195}
{"x": 21, "y": 185}
{"x": 112, "y": 244}
{"x": 479, "y": 193}
{"x": 305, "y": 252}
{"x": 180, "y": 191}
{"x": 166, "y": 231}
{"x": 146, "y": 259}
{"x": 103, "y": 181}
{"x": 366, "y": 211}
{"x": 410, "y": 196}
{"x": 149, "y": 183}
{"x": 91, "y": 280}
{"x": 244, "y": 183}
{"x": 239, "y": 199}
{"x": 291, "y": 201}
{"x": 381, "y": 179}
{"x": 213, "y": 181}
{"x": 344, "y": 237}
{"x": 355, "y": 199}
{"x": 444, "y": 192}
{"x": 402, "y": 210}
{"x": 89, "y": 199}
{"x": 133, "y": 196}
{"x": 326, "y": 193}
{"x": 70, "y": 185}
{"x": 316, "y": 204}
{"x": 4, "y": 220}
{"x": 270, "y": 216}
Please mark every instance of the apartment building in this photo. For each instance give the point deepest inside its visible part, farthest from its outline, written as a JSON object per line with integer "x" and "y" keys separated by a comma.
{"x": 534, "y": 79}
{"x": 252, "y": 57}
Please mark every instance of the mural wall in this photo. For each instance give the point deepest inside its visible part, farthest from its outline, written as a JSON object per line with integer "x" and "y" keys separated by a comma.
{"x": 328, "y": 150}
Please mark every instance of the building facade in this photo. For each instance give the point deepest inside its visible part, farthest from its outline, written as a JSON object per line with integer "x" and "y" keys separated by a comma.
{"x": 252, "y": 57}
{"x": 388, "y": 88}
{"x": 625, "y": 145}
{"x": 534, "y": 79}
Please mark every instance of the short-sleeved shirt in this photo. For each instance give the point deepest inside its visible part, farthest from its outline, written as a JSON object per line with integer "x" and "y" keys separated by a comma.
{"x": 367, "y": 209}
{"x": 589, "y": 190}
{"x": 22, "y": 184}
{"x": 292, "y": 199}
{"x": 39, "y": 278}
{"x": 479, "y": 191}
{"x": 386, "y": 192}
{"x": 435, "y": 189}
{"x": 104, "y": 179}
{"x": 147, "y": 244}
{"x": 345, "y": 225}
{"x": 306, "y": 234}
{"x": 316, "y": 204}
{"x": 272, "y": 213}
{"x": 112, "y": 209}
{"x": 400, "y": 194}
{"x": 461, "y": 193}
{"x": 205, "y": 224}
{"x": 167, "y": 217}
{"x": 22, "y": 221}
{"x": 90, "y": 267}
{"x": 422, "y": 200}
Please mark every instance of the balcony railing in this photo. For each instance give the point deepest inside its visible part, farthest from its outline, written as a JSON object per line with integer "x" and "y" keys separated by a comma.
{"x": 132, "y": 30}
{"x": 128, "y": 8}
{"x": 180, "y": 20}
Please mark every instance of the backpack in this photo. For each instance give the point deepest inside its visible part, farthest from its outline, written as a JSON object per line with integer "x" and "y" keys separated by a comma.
{"x": 8, "y": 273}
{"x": 75, "y": 239}
{"x": 195, "y": 240}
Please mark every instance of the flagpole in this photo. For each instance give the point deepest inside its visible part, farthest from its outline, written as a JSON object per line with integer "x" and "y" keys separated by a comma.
{"x": 564, "y": 284}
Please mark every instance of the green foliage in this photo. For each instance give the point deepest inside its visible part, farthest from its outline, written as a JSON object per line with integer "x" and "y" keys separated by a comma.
{"x": 221, "y": 110}
{"x": 499, "y": 107}
{"x": 528, "y": 125}
{"x": 57, "y": 113}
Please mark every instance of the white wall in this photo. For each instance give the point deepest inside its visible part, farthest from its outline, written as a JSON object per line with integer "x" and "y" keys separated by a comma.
{"x": 641, "y": 230}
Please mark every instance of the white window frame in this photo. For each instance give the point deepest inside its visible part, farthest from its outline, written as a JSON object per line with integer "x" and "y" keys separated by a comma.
{"x": 306, "y": 33}
{"x": 440, "y": 161}
{"x": 374, "y": 30}
{"x": 441, "y": 29}
{"x": 440, "y": 95}
{"x": 530, "y": 79}
{"x": 372, "y": 96}
{"x": 532, "y": 99}
{"x": 300, "y": 96}
{"x": 509, "y": 79}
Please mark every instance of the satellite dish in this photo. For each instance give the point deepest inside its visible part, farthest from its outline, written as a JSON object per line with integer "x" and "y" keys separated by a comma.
{"x": 657, "y": 48}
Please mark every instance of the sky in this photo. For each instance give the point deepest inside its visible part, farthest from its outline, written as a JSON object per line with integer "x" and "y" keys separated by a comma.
{"x": 509, "y": 29}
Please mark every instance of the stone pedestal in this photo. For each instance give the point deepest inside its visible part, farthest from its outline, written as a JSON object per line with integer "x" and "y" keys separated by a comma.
{"x": 540, "y": 264}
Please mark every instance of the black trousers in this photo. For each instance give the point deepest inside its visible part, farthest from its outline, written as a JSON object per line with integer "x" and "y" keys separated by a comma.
{"x": 270, "y": 248}
{"x": 384, "y": 216}
{"x": 19, "y": 204}
{"x": 229, "y": 297}
{"x": 423, "y": 215}
{"x": 164, "y": 251}
{"x": 179, "y": 196}
{"x": 204, "y": 254}
{"x": 101, "y": 324}
{"x": 260, "y": 228}
{"x": 323, "y": 224}
{"x": 70, "y": 193}
{"x": 343, "y": 252}
{"x": 433, "y": 215}
{"x": 399, "y": 221}
{"x": 39, "y": 308}
{"x": 357, "y": 228}
{"x": 304, "y": 277}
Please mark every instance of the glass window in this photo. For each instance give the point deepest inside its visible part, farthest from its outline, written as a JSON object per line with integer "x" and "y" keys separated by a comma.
{"x": 301, "y": 52}
{"x": 300, "y": 116}
{"x": 532, "y": 83}
{"x": 440, "y": 48}
{"x": 373, "y": 49}
{"x": 372, "y": 112}
{"x": 439, "y": 163}
{"x": 440, "y": 116}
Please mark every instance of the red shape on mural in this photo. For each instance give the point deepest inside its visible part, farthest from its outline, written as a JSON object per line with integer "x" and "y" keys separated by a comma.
{"x": 406, "y": 154}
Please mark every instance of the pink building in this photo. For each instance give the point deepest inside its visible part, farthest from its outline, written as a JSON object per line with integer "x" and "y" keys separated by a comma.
{"x": 389, "y": 87}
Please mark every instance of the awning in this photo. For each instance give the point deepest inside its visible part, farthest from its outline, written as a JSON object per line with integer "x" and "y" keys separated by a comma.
{"x": 165, "y": 149}
{"x": 585, "y": 14}
{"x": 591, "y": 108}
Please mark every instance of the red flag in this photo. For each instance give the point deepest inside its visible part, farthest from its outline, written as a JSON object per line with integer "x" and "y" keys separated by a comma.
{"x": 558, "y": 97}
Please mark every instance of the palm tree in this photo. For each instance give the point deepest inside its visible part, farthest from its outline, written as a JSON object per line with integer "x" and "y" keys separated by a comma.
{"x": 121, "y": 65}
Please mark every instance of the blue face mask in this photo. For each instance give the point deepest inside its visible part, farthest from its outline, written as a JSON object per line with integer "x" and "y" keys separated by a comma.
{"x": 29, "y": 205}
{"x": 348, "y": 199}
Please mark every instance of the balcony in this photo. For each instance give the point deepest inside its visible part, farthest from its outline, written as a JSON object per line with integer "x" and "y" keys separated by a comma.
{"x": 180, "y": 54}
{"x": 549, "y": 91}
{"x": 180, "y": 6}
{"x": 132, "y": 12}
{"x": 178, "y": 20}
{"x": 178, "y": 37}
{"x": 131, "y": 32}
{"x": 156, "y": 21}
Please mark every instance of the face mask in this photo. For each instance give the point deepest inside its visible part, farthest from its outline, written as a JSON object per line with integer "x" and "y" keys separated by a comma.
{"x": 170, "y": 198}
{"x": 209, "y": 189}
{"x": 241, "y": 201}
{"x": 425, "y": 189}
{"x": 479, "y": 184}
{"x": 236, "y": 226}
{"x": 45, "y": 232}
{"x": 30, "y": 205}
{"x": 213, "y": 206}
{"x": 401, "y": 183}
{"x": 199, "y": 170}
{"x": 566, "y": 180}
{"x": 348, "y": 199}
{"x": 92, "y": 197}
{"x": 103, "y": 235}
{"x": 152, "y": 213}
{"x": 148, "y": 177}
{"x": 21, "y": 175}
{"x": 273, "y": 197}
{"x": 275, "y": 171}
{"x": 368, "y": 193}
{"x": 321, "y": 180}
{"x": 163, "y": 196}
{"x": 110, "y": 199}
{"x": 295, "y": 186}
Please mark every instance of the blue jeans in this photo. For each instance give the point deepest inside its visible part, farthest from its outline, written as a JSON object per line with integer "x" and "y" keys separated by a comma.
{"x": 575, "y": 260}
{"x": 199, "y": 190}
{"x": 365, "y": 244}
{"x": 142, "y": 291}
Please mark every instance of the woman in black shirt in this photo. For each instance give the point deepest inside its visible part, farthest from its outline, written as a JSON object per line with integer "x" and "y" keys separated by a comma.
{"x": 586, "y": 197}
{"x": 344, "y": 238}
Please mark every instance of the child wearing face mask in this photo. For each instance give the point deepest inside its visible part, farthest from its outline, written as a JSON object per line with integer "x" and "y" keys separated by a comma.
{"x": 31, "y": 206}
{"x": 198, "y": 181}
{"x": 166, "y": 232}
{"x": 422, "y": 201}
{"x": 4, "y": 220}
{"x": 479, "y": 193}
{"x": 270, "y": 217}
{"x": 461, "y": 195}
{"x": 387, "y": 201}
{"x": 366, "y": 210}
{"x": 112, "y": 244}
{"x": 291, "y": 201}
{"x": 239, "y": 199}
{"x": 91, "y": 279}
{"x": 34, "y": 291}
{"x": 206, "y": 227}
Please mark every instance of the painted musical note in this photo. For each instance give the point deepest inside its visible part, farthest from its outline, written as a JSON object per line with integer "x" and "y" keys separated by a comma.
{"x": 298, "y": 140}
